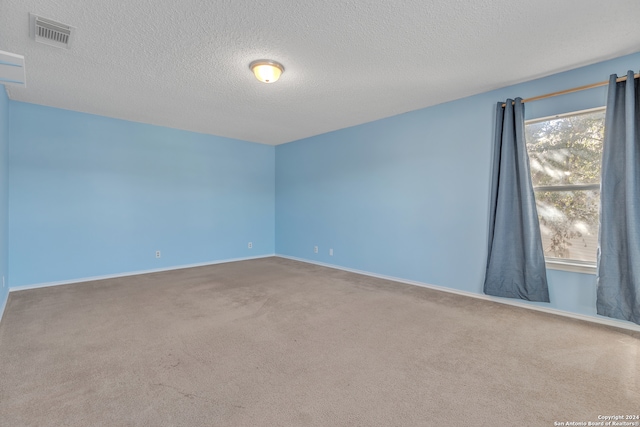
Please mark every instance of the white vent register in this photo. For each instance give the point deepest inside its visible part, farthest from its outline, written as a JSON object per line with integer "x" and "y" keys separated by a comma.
{"x": 50, "y": 32}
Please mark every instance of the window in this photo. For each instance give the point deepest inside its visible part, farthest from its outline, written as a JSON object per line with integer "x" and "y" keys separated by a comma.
{"x": 565, "y": 155}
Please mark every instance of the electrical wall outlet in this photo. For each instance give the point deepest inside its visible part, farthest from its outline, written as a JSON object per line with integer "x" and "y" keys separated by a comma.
{"x": 250, "y": 245}
{"x": 330, "y": 252}
{"x": 157, "y": 254}
{"x": 315, "y": 249}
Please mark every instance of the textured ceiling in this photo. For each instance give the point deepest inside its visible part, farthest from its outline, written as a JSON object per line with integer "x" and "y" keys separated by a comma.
{"x": 184, "y": 64}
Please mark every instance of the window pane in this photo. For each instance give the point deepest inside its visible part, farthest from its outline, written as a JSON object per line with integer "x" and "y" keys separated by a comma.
{"x": 566, "y": 150}
{"x": 569, "y": 223}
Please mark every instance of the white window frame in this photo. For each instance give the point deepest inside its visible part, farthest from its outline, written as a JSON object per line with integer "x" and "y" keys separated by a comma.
{"x": 572, "y": 265}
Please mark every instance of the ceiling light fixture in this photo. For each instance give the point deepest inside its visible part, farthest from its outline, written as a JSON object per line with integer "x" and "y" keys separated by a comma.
{"x": 266, "y": 70}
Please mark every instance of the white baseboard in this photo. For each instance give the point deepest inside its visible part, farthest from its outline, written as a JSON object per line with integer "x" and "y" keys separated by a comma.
{"x": 131, "y": 273}
{"x": 601, "y": 320}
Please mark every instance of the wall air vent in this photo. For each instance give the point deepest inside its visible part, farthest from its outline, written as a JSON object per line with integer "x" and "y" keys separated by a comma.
{"x": 50, "y": 32}
{"x": 12, "y": 69}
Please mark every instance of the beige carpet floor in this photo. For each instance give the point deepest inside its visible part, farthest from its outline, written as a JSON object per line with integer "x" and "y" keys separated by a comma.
{"x": 274, "y": 342}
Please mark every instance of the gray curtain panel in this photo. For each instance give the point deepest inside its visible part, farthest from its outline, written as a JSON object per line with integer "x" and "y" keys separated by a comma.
{"x": 515, "y": 262}
{"x": 619, "y": 248}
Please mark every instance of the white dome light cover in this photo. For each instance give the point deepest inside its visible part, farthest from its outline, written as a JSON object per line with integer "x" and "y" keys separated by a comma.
{"x": 266, "y": 70}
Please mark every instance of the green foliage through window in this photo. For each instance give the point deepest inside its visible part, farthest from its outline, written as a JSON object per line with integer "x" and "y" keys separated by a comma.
{"x": 565, "y": 156}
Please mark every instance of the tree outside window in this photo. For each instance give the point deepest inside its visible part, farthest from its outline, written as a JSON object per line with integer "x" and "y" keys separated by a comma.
{"x": 565, "y": 155}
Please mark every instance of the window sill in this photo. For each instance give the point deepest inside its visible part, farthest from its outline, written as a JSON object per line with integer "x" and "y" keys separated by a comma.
{"x": 573, "y": 266}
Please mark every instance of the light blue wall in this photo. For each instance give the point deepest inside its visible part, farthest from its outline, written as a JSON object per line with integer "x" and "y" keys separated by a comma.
{"x": 4, "y": 194}
{"x": 407, "y": 196}
{"x": 92, "y": 196}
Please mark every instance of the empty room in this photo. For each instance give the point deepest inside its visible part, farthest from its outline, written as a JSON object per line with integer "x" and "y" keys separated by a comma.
{"x": 339, "y": 213}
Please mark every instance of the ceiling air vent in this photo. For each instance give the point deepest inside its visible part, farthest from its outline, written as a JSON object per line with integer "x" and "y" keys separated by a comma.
{"x": 50, "y": 32}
